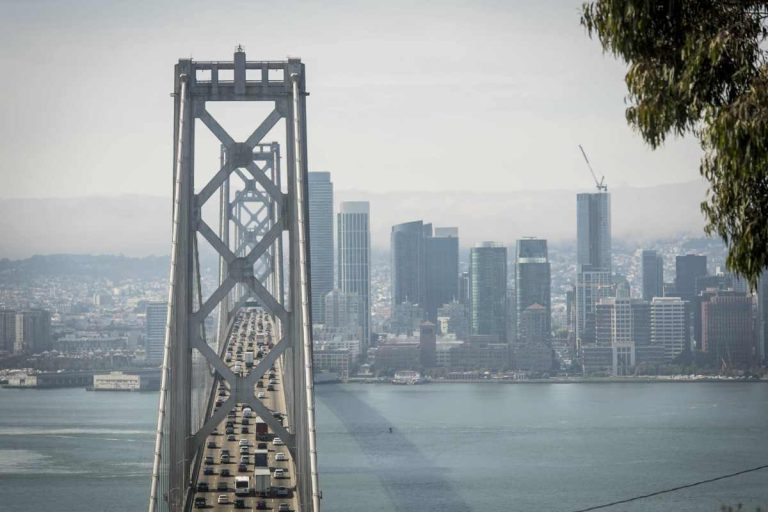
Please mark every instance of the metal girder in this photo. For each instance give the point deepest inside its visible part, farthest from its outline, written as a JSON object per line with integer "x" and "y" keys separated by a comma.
{"x": 250, "y": 267}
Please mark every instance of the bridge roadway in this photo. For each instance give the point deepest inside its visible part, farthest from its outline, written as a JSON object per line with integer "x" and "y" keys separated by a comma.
{"x": 247, "y": 335}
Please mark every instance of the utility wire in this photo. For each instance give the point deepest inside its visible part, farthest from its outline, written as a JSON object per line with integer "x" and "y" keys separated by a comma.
{"x": 673, "y": 489}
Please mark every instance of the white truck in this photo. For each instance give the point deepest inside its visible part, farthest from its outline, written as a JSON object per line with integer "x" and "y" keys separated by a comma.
{"x": 262, "y": 480}
{"x": 249, "y": 359}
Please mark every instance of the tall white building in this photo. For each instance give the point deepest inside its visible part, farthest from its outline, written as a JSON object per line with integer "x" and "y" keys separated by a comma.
{"x": 669, "y": 325}
{"x": 591, "y": 287}
{"x": 354, "y": 259}
{"x": 155, "y": 331}
{"x": 320, "y": 192}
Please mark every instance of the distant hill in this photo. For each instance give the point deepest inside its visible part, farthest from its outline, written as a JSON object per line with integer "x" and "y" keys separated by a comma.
{"x": 104, "y": 266}
{"x": 140, "y": 225}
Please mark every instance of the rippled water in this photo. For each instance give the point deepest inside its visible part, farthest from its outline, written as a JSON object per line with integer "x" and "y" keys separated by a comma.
{"x": 453, "y": 447}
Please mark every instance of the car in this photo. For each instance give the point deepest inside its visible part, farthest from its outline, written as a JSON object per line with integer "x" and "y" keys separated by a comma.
{"x": 208, "y": 471}
{"x": 211, "y": 444}
{"x": 246, "y": 421}
{"x": 244, "y": 442}
{"x": 231, "y": 437}
{"x": 261, "y": 505}
{"x": 208, "y": 461}
{"x": 283, "y": 507}
{"x": 225, "y": 458}
{"x": 281, "y": 492}
{"x": 244, "y": 449}
{"x": 242, "y": 468}
{"x": 202, "y": 486}
{"x": 280, "y": 456}
{"x": 270, "y": 387}
{"x": 215, "y": 432}
{"x": 200, "y": 502}
{"x": 239, "y": 503}
{"x": 260, "y": 384}
{"x": 279, "y": 473}
{"x": 222, "y": 487}
{"x": 230, "y": 430}
{"x": 273, "y": 381}
{"x": 245, "y": 459}
{"x": 278, "y": 442}
{"x": 225, "y": 472}
{"x": 277, "y": 414}
{"x": 222, "y": 499}
{"x": 244, "y": 430}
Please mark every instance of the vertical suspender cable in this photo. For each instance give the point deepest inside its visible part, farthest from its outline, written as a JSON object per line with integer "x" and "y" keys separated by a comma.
{"x": 171, "y": 298}
{"x": 306, "y": 328}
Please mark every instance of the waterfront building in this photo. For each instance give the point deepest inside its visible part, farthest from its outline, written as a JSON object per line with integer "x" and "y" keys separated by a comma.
{"x": 688, "y": 268}
{"x": 591, "y": 287}
{"x": 670, "y": 326}
{"x": 427, "y": 345}
{"x": 7, "y": 330}
{"x": 442, "y": 270}
{"x": 343, "y": 314}
{"x": 354, "y": 259}
{"x": 408, "y": 252}
{"x": 320, "y": 194}
{"x": 727, "y": 329}
{"x": 453, "y": 319}
{"x": 622, "y": 320}
{"x": 33, "y": 331}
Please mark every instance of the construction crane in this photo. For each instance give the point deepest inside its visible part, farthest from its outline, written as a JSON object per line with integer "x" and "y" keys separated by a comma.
{"x": 601, "y": 186}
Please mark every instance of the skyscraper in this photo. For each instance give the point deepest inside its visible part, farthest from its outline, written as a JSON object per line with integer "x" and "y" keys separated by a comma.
{"x": 442, "y": 270}
{"x": 593, "y": 231}
{"x": 532, "y": 279}
{"x": 409, "y": 273}
{"x": 593, "y": 261}
{"x": 320, "y": 191}
{"x": 488, "y": 290}
{"x": 688, "y": 268}
{"x": 7, "y": 330}
{"x": 154, "y": 339}
{"x": 622, "y": 320}
{"x": 343, "y": 314}
{"x": 653, "y": 275}
{"x": 354, "y": 260}
{"x": 33, "y": 331}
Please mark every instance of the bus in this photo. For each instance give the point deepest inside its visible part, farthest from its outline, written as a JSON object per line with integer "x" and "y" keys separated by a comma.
{"x": 242, "y": 486}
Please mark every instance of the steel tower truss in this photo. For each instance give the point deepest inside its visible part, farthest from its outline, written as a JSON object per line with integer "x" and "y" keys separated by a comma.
{"x": 264, "y": 212}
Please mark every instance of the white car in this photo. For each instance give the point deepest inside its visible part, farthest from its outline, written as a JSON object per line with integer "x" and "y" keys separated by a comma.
{"x": 223, "y": 500}
{"x": 283, "y": 507}
{"x": 280, "y": 456}
{"x": 279, "y": 473}
{"x": 278, "y": 442}
{"x": 261, "y": 395}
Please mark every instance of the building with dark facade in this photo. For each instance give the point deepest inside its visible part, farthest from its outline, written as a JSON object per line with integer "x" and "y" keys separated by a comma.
{"x": 688, "y": 268}
{"x": 33, "y": 331}
{"x": 408, "y": 253}
{"x": 727, "y": 329}
{"x": 653, "y": 275}
{"x": 442, "y": 270}
{"x": 532, "y": 280}
{"x": 428, "y": 345}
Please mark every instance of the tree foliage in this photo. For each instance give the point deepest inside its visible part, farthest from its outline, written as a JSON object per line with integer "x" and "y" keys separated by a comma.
{"x": 699, "y": 66}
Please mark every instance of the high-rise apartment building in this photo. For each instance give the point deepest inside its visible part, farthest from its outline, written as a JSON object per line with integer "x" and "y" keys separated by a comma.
{"x": 653, "y": 275}
{"x": 488, "y": 290}
{"x": 408, "y": 252}
{"x": 670, "y": 325}
{"x": 532, "y": 280}
{"x": 154, "y": 333}
{"x": 320, "y": 192}
{"x": 727, "y": 329}
{"x": 593, "y": 231}
{"x": 354, "y": 260}
{"x": 442, "y": 270}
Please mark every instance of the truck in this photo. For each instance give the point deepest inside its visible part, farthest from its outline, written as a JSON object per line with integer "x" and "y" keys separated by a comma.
{"x": 262, "y": 480}
{"x": 242, "y": 486}
{"x": 261, "y": 428}
{"x": 260, "y": 458}
{"x": 249, "y": 359}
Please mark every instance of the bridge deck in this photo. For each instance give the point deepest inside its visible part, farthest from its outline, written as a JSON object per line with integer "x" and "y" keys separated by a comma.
{"x": 281, "y": 493}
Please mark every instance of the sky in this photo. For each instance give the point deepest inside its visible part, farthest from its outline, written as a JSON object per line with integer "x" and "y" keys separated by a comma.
{"x": 479, "y": 95}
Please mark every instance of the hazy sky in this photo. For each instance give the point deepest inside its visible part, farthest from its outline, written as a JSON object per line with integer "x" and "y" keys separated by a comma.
{"x": 405, "y": 94}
